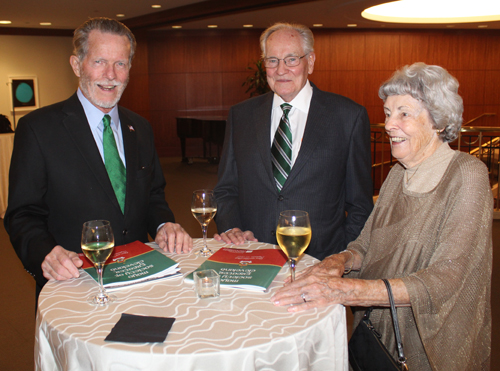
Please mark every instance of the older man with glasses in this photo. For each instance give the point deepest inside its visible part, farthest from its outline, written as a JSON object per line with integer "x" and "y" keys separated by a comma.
{"x": 296, "y": 147}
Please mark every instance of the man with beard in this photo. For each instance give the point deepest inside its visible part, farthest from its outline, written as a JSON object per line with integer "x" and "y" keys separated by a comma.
{"x": 84, "y": 159}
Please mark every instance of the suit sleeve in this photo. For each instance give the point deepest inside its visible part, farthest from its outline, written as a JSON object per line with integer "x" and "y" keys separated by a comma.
{"x": 158, "y": 211}
{"x": 226, "y": 190}
{"x": 27, "y": 213}
{"x": 359, "y": 185}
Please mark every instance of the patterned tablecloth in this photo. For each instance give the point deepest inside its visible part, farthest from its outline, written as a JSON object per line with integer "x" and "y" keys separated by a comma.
{"x": 241, "y": 330}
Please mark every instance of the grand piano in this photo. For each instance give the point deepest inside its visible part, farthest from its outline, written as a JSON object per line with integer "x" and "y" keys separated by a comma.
{"x": 209, "y": 128}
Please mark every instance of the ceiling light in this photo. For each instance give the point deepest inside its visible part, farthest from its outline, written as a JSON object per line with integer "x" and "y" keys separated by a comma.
{"x": 45, "y": 24}
{"x": 352, "y": 25}
{"x": 212, "y": 26}
{"x": 432, "y": 11}
{"x": 120, "y": 15}
{"x": 176, "y": 26}
{"x": 318, "y": 25}
{"x": 5, "y": 22}
{"x": 482, "y": 26}
{"x": 248, "y": 25}
{"x": 156, "y": 6}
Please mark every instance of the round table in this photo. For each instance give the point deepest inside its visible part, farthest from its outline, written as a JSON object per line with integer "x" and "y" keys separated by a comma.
{"x": 240, "y": 330}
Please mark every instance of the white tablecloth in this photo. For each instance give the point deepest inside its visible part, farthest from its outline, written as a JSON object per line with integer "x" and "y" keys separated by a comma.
{"x": 241, "y": 330}
{"x": 6, "y": 146}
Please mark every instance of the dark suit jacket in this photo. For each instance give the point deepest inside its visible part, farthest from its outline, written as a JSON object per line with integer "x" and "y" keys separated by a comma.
{"x": 331, "y": 177}
{"x": 58, "y": 181}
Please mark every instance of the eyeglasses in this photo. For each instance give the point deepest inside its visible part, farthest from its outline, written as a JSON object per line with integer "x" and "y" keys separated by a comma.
{"x": 289, "y": 61}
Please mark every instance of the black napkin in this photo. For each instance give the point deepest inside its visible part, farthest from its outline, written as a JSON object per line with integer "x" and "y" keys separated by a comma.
{"x": 140, "y": 329}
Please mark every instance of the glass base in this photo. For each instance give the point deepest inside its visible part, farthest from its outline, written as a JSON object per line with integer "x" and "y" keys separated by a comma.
{"x": 101, "y": 300}
{"x": 205, "y": 252}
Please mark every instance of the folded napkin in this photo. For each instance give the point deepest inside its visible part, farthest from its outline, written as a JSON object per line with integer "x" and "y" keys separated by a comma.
{"x": 140, "y": 329}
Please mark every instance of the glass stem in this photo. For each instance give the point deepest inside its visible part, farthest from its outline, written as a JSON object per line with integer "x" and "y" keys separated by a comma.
{"x": 102, "y": 292}
{"x": 292, "y": 268}
{"x": 204, "y": 228}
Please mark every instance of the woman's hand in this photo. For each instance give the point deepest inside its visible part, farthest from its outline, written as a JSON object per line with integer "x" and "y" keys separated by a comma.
{"x": 332, "y": 265}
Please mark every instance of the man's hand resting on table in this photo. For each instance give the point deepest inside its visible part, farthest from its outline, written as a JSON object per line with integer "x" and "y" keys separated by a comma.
{"x": 171, "y": 237}
{"x": 61, "y": 264}
{"x": 235, "y": 236}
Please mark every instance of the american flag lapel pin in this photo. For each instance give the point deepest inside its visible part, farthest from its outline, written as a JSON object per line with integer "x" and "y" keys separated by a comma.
{"x": 131, "y": 128}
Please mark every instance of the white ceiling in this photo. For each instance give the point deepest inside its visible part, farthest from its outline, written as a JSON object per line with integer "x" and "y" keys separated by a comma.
{"x": 69, "y": 14}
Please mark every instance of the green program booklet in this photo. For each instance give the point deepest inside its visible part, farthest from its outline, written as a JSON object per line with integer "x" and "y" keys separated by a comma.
{"x": 244, "y": 269}
{"x": 131, "y": 264}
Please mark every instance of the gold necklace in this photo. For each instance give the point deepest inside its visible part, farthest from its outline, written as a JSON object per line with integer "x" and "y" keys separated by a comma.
{"x": 409, "y": 178}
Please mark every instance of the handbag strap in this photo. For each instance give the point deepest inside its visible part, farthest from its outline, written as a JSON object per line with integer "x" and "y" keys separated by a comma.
{"x": 399, "y": 343}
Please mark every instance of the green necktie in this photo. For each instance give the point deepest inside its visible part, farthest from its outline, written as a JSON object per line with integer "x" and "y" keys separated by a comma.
{"x": 114, "y": 165}
{"x": 282, "y": 148}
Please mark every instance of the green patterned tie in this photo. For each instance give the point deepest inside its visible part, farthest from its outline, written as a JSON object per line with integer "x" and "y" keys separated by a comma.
{"x": 114, "y": 165}
{"x": 282, "y": 148}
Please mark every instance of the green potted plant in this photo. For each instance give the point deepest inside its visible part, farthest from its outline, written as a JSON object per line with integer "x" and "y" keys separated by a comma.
{"x": 257, "y": 82}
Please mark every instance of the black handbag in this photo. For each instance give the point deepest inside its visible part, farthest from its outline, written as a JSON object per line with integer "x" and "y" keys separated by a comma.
{"x": 367, "y": 352}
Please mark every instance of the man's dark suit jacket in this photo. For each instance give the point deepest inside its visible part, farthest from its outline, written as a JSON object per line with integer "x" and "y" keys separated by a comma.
{"x": 58, "y": 181}
{"x": 331, "y": 177}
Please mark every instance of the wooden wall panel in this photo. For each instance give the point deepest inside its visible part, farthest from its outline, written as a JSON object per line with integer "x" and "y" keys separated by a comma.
{"x": 203, "y": 92}
{"x": 232, "y": 90}
{"x": 467, "y": 51}
{"x": 492, "y": 56}
{"x": 351, "y": 84}
{"x": 167, "y": 52}
{"x": 201, "y": 72}
{"x": 492, "y": 87}
{"x": 322, "y": 79}
{"x": 168, "y": 91}
{"x": 471, "y": 87}
{"x": 382, "y": 51}
{"x": 238, "y": 51}
{"x": 348, "y": 52}
{"x": 203, "y": 53}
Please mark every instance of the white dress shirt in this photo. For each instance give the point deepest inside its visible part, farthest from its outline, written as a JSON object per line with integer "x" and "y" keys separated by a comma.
{"x": 94, "y": 118}
{"x": 297, "y": 116}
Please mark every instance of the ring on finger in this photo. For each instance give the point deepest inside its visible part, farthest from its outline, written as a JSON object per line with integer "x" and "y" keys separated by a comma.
{"x": 303, "y": 296}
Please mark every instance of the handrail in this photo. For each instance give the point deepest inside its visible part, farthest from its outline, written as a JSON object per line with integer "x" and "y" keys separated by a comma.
{"x": 478, "y": 117}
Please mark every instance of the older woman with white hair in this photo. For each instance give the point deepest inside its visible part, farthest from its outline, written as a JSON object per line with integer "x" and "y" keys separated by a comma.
{"x": 429, "y": 235}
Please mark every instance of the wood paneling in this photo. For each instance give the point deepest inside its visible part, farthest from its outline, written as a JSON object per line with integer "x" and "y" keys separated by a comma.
{"x": 190, "y": 72}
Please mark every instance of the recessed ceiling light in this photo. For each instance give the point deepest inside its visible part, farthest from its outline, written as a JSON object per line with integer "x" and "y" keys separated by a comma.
{"x": 5, "y": 22}
{"x": 120, "y": 15}
{"x": 318, "y": 25}
{"x": 352, "y": 25}
{"x": 156, "y": 6}
{"x": 176, "y": 26}
{"x": 431, "y": 11}
{"x": 45, "y": 24}
{"x": 248, "y": 25}
{"x": 212, "y": 26}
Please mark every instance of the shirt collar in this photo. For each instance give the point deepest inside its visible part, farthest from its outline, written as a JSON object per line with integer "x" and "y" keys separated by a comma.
{"x": 95, "y": 115}
{"x": 301, "y": 100}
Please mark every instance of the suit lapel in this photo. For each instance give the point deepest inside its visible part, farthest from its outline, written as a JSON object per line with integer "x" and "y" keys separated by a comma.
{"x": 262, "y": 120}
{"x": 130, "y": 148}
{"x": 317, "y": 121}
{"x": 78, "y": 128}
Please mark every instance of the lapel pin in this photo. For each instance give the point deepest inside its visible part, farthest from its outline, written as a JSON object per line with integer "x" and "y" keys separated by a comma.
{"x": 131, "y": 128}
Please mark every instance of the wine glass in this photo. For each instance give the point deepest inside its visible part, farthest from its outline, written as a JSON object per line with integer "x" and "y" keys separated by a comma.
{"x": 98, "y": 242}
{"x": 204, "y": 207}
{"x": 293, "y": 234}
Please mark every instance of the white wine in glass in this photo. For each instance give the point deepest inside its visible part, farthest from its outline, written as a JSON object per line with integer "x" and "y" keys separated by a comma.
{"x": 204, "y": 207}
{"x": 98, "y": 243}
{"x": 293, "y": 234}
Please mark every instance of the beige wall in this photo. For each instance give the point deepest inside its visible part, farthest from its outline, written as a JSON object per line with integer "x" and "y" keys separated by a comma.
{"x": 47, "y": 58}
